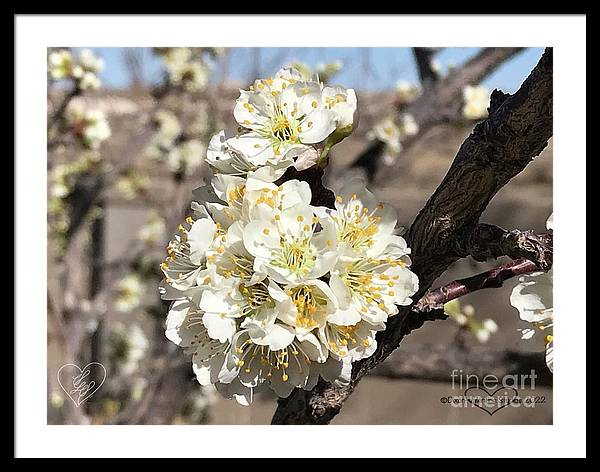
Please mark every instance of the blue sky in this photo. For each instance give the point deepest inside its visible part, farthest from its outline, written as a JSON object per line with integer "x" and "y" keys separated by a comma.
{"x": 385, "y": 65}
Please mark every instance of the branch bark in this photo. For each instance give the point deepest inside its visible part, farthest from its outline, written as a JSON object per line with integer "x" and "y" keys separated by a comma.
{"x": 517, "y": 129}
{"x": 437, "y": 362}
{"x": 490, "y": 242}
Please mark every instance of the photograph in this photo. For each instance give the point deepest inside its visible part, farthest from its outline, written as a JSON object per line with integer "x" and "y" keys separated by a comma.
{"x": 266, "y": 236}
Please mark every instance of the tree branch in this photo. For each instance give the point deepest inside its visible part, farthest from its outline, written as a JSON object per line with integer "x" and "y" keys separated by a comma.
{"x": 442, "y": 100}
{"x": 437, "y": 362}
{"x": 490, "y": 242}
{"x": 518, "y": 129}
{"x": 493, "y": 278}
{"x": 424, "y": 58}
{"x": 499, "y": 148}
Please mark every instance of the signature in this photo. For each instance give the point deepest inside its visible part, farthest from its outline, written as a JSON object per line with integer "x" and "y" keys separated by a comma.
{"x": 76, "y": 382}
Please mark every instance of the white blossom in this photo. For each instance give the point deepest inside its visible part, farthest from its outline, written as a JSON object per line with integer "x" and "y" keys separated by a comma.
{"x": 130, "y": 344}
{"x": 185, "y": 264}
{"x": 132, "y": 183}
{"x": 533, "y": 298}
{"x": 388, "y": 132}
{"x": 406, "y": 91}
{"x": 289, "y": 248}
{"x": 186, "y": 157}
{"x": 84, "y": 70}
{"x": 322, "y": 71}
{"x": 476, "y": 102}
{"x": 89, "y": 81}
{"x": 185, "y": 68}
{"x": 192, "y": 75}
{"x": 485, "y": 329}
{"x": 408, "y": 125}
{"x": 343, "y": 103}
{"x": 129, "y": 293}
{"x": 61, "y": 65}
{"x": 168, "y": 127}
{"x": 283, "y": 116}
{"x": 464, "y": 316}
{"x": 90, "y": 62}
{"x": 372, "y": 272}
{"x": 225, "y": 159}
{"x": 185, "y": 328}
{"x": 91, "y": 126}
{"x": 285, "y": 368}
{"x": 153, "y": 231}
{"x": 57, "y": 400}
{"x": 393, "y": 134}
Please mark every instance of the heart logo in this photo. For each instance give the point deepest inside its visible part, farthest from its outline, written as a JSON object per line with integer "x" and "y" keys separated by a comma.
{"x": 491, "y": 402}
{"x": 76, "y": 382}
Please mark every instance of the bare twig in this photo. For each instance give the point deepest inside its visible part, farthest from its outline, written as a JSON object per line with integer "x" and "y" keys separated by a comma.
{"x": 493, "y": 278}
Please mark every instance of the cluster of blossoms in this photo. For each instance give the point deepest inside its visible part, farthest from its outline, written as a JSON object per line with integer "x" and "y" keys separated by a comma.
{"x": 464, "y": 316}
{"x": 188, "y": 67}
{"x": 533, "y": 298}
{"x": 84, "y": 70}
{"x": 268, "y": 289}
{"x": 476, "y": 102}
{"x": 132, "y": 183}
{"x": 187, "y": 157}
{"x": 129, "y": 345}
{"x": 407, "y": 92}
{"x": 153, "y": 231}
{"x": 183, "y": 150}
{"x": 129, "y": 292}
{"x": 393, "y": 133}
{"x": 88, "y": 125}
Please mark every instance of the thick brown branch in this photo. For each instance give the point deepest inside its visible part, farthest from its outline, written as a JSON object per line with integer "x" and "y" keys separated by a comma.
{"x": 424, "y": 58}
{"x": 517, "y": 130}
{"x": 437, "y": 362}
{"x": 86, "y": 193}
{"x": 500, "y": 147}
{"x": 490, "y": 242}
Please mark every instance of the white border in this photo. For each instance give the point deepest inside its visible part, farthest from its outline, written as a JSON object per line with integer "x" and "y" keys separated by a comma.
{"x": 565, "y": 438}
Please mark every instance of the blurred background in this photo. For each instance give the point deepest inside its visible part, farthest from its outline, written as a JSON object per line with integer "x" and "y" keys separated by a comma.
{"x": 127, "y": 135}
